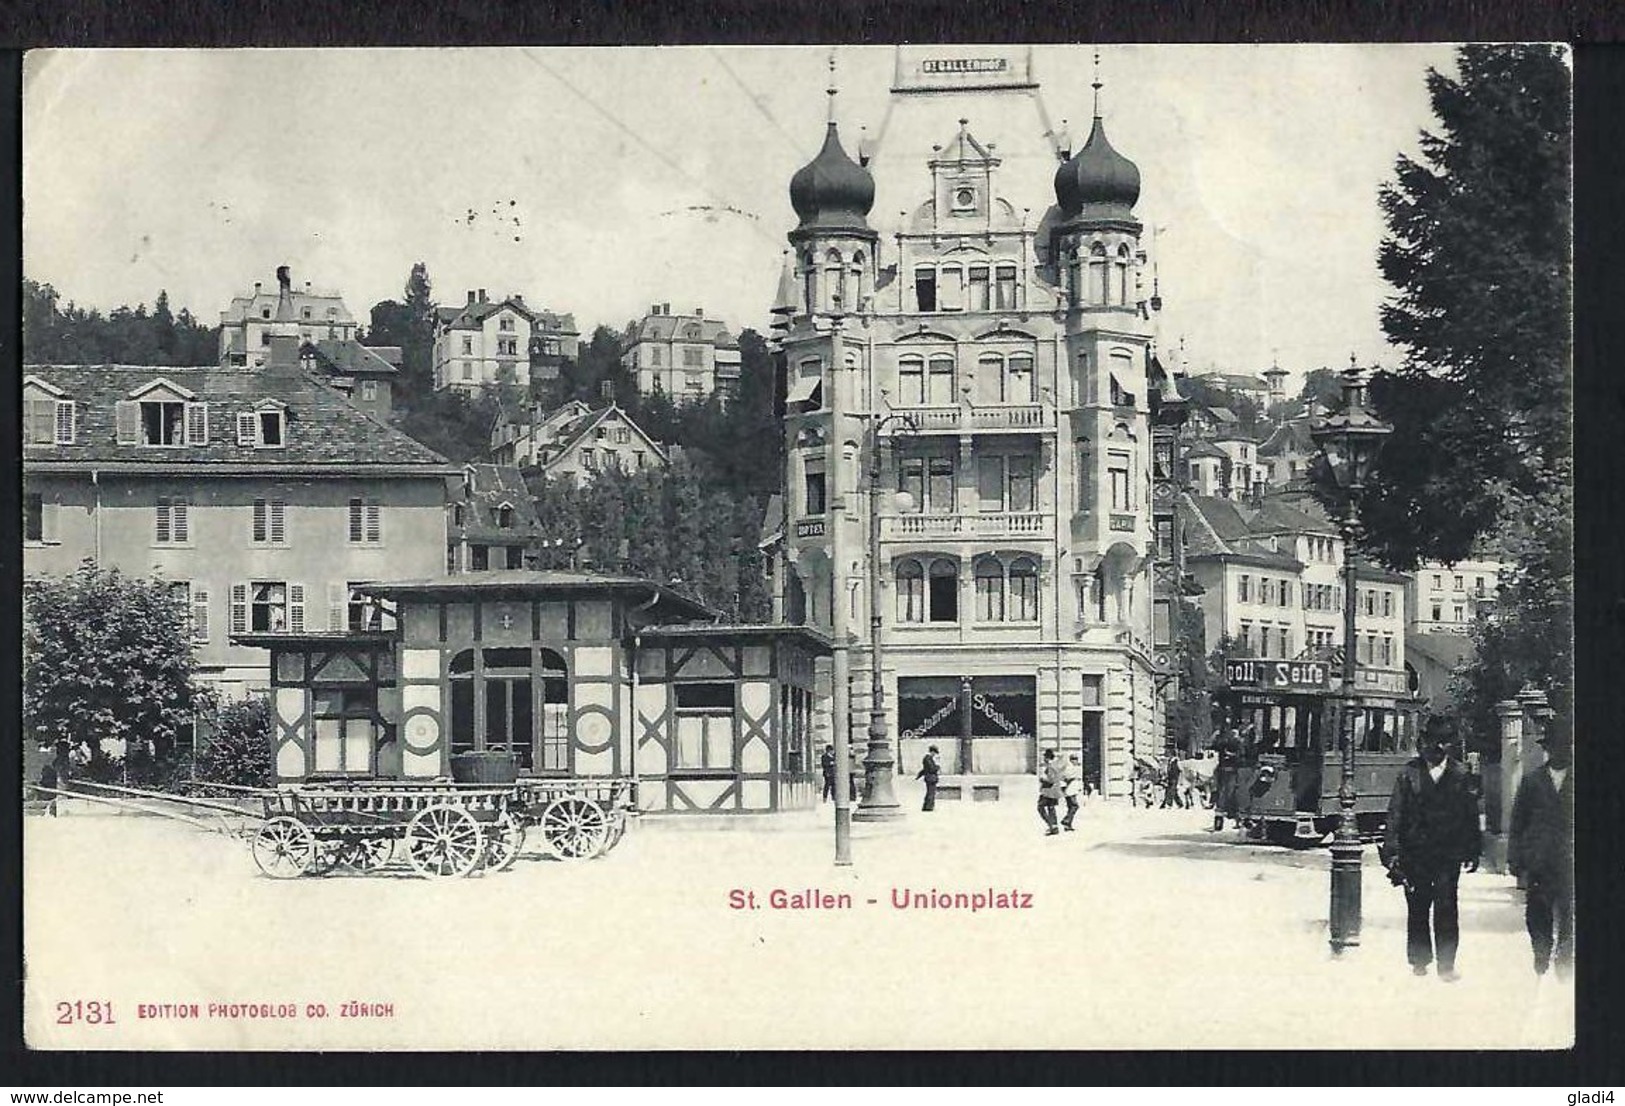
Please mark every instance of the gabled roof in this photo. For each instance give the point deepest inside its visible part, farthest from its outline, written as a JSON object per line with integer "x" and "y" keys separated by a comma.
{"x": 1217, "y": 528}
{"x": 962, "y": 147}
{"x": 487, "y": 489}
{"x": 1221, "y": 414}
{"x": 1205, "y": 449}
{"x": 542, "y": 584}
{"x": 324, "y": 428}
{"x": 1292, "y": 435}
{"x": 1445, "y": 650}
{"x": 472, "y": 316}
{"x": 348, "y": 357}
{"x": 1274, "y": 516}
{"x": 570, "y": 436}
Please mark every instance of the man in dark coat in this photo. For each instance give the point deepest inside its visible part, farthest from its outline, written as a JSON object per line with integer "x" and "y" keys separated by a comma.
{"x": 1432, "y": 835}
{"x": 929, "y": 771}
{"x": 1540, "y": 850}
{"x": 1049, "y": 792}
{"x": 1228, "y": 745}
{"x": 1170, "y": 784}
{"x": 826, "y": 761}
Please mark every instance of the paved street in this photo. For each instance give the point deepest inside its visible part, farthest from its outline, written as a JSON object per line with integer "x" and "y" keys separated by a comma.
{"x": 1143, "y": 931}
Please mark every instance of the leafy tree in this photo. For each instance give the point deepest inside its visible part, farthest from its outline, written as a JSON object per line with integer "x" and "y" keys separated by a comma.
{"x": 1323, "y": 387}
{"x": 66, "y": 334}
{"x": 1478, "y": 253}
{"x": 239, "y": 750}
{"x": 107, "y": 657}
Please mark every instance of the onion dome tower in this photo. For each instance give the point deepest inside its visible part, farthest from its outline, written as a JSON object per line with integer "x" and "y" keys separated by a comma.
{"x": 834, "y": 244}
{"x": 1097, "y": 182}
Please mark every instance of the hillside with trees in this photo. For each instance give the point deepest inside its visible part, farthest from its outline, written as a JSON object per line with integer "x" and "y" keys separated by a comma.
{"x": 63, "y": 333}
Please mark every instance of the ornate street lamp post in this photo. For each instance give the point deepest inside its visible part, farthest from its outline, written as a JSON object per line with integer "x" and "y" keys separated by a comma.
{"x": 879, "y": 765}
{"x": 1349, "y": 441}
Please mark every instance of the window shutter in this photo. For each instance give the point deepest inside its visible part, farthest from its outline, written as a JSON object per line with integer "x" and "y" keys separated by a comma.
{"x": 127, "y": 421}
{"x": 200, "y": 613}
{"x": 197, "y": 424}
{"x": 162, "y": 530}
{"x": 246, "y": 428}
{"x": 337, "y": 604}
{"x": 296, "y": 608}
{"x": 259, "y": 520}
{"x": 66, "y": 418}
{"x": 177, "y": 519}
{"x": 239, "y": 608}
{"x": 373, "y": 527}
{"x": 278, "y": 532}
{"x": 356, "y": 506}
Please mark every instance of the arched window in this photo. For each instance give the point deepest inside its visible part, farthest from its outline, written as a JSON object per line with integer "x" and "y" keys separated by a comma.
{"x": 989, "y": 378}
{"x": 911, "y": 381}
{"x": 857, "y": 284}
{"x": 554, "y": 732}
{"x": 809, "y": 282}
{"x": 834, "y": 282}
{"x": 989, "y": 590}
{"x": 925, "y": 288}
{"x": 461, "y": 672}
{"x": 910, "y": 591}
{"x": 1004, "y": 288}
{"x": 508, "y": 722}
{"x": 1023, "y": 605}
{"x": 1018, "y": 387}
{"x": 980, "y": 293}
{"x": 1074, "y": 276}
{"x": 951, "y": 288}
{"x": 1097, "y": 273}
{"x": 940, "y": 387}
{"x": 943, "y": 591}
{"x": 1120, "y": 274}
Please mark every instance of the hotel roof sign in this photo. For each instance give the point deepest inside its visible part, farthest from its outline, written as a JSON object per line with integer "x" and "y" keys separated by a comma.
{"x": 963, "y": 69}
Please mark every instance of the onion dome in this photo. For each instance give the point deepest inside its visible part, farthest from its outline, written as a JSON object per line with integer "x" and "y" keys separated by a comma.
{"x": 832, "y": 192}
{"x": 1097, "y": 180}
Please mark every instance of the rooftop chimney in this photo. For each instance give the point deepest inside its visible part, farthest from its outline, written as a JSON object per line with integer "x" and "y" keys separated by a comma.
{"x": 700, "y": 311}
{"x": 471, "y": 296}
{"x": 482, "y": 295}
{"x": 282, "y": 278}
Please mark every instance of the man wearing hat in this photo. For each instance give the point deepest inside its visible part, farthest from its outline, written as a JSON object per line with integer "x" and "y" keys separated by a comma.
{"x": 1432, "y": 835}
{"x": 930, "y": 771}
{"x": 1540, "y": 849}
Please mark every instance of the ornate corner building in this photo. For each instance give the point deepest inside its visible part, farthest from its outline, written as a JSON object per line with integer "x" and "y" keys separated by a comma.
{"x": 1000, "y": 371}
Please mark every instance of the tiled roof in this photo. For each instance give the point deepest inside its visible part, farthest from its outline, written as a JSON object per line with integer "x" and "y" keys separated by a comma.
{"x": 664, "y": 328}
{"x": 1204, "y": 449}
{"x": 1275, "y": 516}
{"x": 347, "y": 357}
{"x": 246, "y": 307}
{"x": 470, "y": 316}
{"x": 323, "y": 427}
{"x": 1219, "y": 528}
{"x": 1291, "y": 435}
{"x": 576, "y": 431}
{"x": 491, "y": 487}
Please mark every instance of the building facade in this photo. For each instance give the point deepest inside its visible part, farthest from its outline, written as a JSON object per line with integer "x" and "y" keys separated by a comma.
{"x": 486, "y": 342}
{"x": 685, "y": 356}
{"x": 996, "y": 370}
{"x": 248, "y": 325}
{"x": 576, "y": 442}
{"x": 266, "y": 497}
{"x": 1445, "y": 598}
{"x": 492, "y": 521}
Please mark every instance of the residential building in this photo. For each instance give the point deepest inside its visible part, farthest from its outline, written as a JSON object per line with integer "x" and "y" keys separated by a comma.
{"x": 685, "y": 356}
{"x": 1242, "y": 384}
{"x": 1449, "y": 598}
{"x": 367, "y": 374}
{"x": 1272, "y": 583}
{"x": 1285, "y": 457}
{"x": 485, "y": 342}
{"x": 576, "y": 443}
{"x": 266, "y": 497}
{"x": 492, "y": 523}
{"x": 306, "y": 315}
{"x": 1239, "y": 475}
{"x": 1015, "y": 354}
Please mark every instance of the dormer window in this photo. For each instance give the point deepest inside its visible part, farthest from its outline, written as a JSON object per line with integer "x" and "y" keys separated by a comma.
{"x": 270, "y": 428}
{"x": 505, "y": 517}
{"x": 49, "y": 421}
{"x": 263, "y": 428}
{"x": 265, "y": 312}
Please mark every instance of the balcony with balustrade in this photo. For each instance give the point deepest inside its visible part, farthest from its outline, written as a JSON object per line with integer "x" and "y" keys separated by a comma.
{"x": 966, "y": 418}
{"x": 970, "y": 526}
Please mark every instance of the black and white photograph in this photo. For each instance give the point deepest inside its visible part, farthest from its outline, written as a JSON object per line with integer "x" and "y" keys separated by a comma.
{"x": 910, "y": 547}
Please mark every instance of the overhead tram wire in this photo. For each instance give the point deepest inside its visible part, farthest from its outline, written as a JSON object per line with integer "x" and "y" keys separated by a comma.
{"x": 757, "y": 103}
{"x": 641, "y": 141}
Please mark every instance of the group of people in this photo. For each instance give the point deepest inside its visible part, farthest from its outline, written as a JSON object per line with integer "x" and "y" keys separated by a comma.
{"x": 1433, "y": 836}
{"x": 1059, "y": 782}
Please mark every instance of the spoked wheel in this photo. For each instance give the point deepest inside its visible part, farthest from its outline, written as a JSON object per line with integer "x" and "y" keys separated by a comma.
{"x": 503, "y": 840}
{"x": 575, "y": 828}
{"x": 444, "y": 841}
{"x": 284, "y": 848}
{"x": 368, "y": 854}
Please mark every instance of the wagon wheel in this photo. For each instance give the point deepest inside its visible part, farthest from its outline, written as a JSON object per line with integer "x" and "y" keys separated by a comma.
{"x": 443, "y": 841}
{"x": 368, "y": 854}
{"x": 503, "y": 840}
{"x": 575, "y": 828}
{"x": 284, "y": 848}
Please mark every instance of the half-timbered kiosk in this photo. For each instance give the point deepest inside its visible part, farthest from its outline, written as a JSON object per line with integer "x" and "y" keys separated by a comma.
{"x": 551, "y": 666}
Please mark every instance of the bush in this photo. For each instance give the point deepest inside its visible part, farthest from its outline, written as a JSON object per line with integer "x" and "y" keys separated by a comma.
{"x": 239, "y": 751}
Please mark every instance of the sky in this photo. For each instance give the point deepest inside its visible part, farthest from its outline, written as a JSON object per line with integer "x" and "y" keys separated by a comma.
{"x": 600, "y": 181}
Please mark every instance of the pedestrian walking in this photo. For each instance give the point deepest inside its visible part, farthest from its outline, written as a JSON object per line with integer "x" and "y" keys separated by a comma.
{"x": 1227, "y": 743}
{"x": 1049, "y": 792}
{"x": 1170, "y": 784}
{"x": 1540, "y": 851}
{"x": 826, "y": 762}
{"x": 1432, "y": 836}
{"x": 930, "y": 770}
{"x": 1071, "y": 788}
{"x": 854, "y": 771}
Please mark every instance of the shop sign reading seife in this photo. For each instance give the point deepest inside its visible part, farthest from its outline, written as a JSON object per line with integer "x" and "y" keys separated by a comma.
{"x": 1285, "y": 675}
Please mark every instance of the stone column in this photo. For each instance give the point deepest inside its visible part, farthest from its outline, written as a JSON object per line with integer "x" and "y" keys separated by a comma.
{"x": 1510, "y": 715}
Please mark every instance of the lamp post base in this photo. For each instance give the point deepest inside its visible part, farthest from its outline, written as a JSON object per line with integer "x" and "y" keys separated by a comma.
{"x": 1347, "y": 859}
{"x": 879, "y": 796}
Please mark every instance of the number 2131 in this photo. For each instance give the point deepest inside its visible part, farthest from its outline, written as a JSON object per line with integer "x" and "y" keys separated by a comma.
{"x": 93, "y": 1012}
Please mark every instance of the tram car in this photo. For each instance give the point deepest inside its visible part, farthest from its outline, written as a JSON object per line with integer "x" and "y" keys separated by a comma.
{"x": 1286, "y": 716}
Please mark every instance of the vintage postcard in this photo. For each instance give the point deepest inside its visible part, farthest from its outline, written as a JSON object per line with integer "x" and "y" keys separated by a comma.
{"x": 920, "y": 547}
